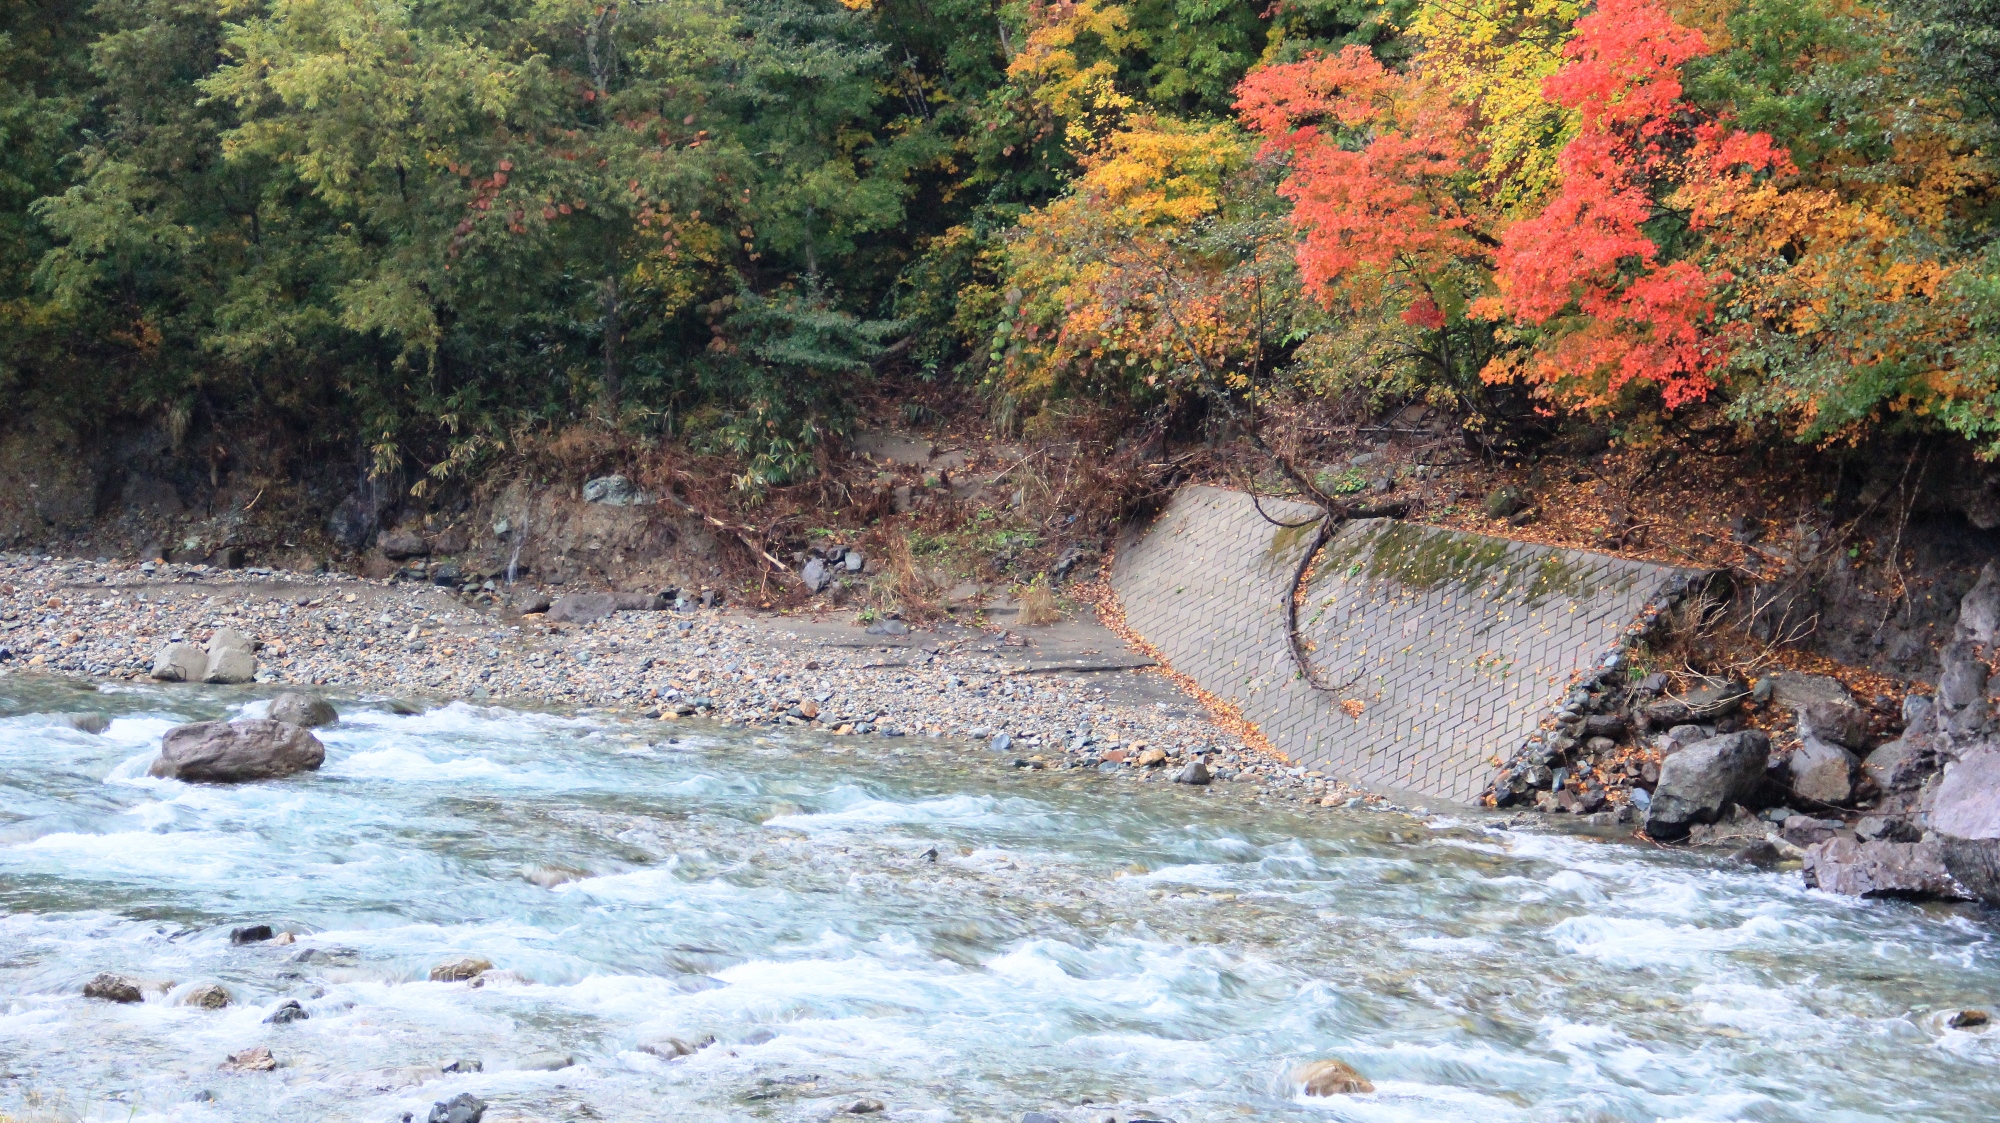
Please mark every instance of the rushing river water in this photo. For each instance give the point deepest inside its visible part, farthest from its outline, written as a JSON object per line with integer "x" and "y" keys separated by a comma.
{"x": 883, "y": 919}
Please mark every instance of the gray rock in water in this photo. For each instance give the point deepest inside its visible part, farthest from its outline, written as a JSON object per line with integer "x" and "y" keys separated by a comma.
{"x": 208, "y": 996}
{"x": 1979, "y": 612}
{"x": 232, "y": 657}
{"x": 179, "y": 662}
{"x": 464, "y": 1064}
{"x": 462, "y": 1108}
{"x": 1195, "y": 773}
{"x": 582, "y": 608}
{"x": 250, "y": 934}
{"x": 307, "y": 711}
{"x": 288, "y": 1011}
{"x": 459, "y": 970}
{"x": 614, "y": 491}
{"x": 113, "y": 988}
{"x": 1698, "y": 782}
{"x": 1914, "y": 870}
{"x": 224, "y": 752}
{"x": 815, "y": 575}
{"x": 1001, "y": 742}
{"x": 87, "y": 723}
{"x": 673, "y": 1048}
{"x": 545, "y": 1062}
{"x": 1821, "y": 771}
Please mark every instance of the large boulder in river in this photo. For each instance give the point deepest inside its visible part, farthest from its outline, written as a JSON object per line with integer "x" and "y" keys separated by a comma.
{"x": 232, "y": 657}
{"x": 582, "y": 608}
{"x": 230, "y": 752}
{"x": 1699, "y": 782}
{"x": 307, "y": 711}
{"x": 180, "y": 662}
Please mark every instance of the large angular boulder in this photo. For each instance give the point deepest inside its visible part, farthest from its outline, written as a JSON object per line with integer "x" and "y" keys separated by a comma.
{"x": 1966, "y": 803}
{"x": 582, "y": 608}
{"x": 1699, "y": 782}
{"x": 231, "y": 752}
{"x": 1821, "y": 771}
{"x": 180, "y": 662}
{"x": 1912, "y": 870}
{"x": 307, "y": 711}
{"x": 232, "y": 657}
{"x": 1904, "y": 764}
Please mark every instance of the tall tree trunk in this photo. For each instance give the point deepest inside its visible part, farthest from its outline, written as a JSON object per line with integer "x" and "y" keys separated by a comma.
{"x": 613, "y": 327}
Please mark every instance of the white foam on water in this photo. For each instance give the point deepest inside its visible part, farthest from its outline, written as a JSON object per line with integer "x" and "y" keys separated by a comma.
{"x": 197, "y": 855}
{"x": 1515, "y": 976}
{"x": 406, "y": 764}
{"x": 852, "y": 807}
{"x": 1626, "y": 941}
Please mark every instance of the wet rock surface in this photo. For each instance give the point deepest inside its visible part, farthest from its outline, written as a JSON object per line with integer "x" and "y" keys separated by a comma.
{"x": 307, "y": 711}
{"x": 113, "y": 988}
{"x": 225, "y": 752}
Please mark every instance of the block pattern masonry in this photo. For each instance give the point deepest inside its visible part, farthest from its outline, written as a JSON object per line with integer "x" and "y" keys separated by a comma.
{"x": 1440, "y": 652}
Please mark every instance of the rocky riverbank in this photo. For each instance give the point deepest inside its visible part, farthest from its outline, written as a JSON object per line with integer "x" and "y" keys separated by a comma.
{"x": 417, "y": 642}
{"x": 1850, "y": 792}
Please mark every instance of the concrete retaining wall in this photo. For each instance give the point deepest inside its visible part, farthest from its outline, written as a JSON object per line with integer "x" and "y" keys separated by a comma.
{"x": 1442, "y": 652}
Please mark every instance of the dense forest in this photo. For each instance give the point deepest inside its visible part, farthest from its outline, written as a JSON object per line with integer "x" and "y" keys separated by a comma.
{"x": 412, "y": 231}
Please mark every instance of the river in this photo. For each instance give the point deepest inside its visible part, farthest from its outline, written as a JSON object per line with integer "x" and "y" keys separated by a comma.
{"x": 857, "y": 918}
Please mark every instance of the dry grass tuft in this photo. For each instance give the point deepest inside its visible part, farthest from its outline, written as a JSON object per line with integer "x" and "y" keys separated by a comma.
{"x": 914, "y": 588}
{"x": 1038, "y": 604}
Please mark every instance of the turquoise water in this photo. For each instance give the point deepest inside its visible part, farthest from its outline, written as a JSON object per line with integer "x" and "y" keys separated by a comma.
{"x": 910, "y": 924}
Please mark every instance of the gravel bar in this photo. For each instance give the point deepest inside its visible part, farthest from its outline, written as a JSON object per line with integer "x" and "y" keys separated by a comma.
{"x": 106, "y": 620}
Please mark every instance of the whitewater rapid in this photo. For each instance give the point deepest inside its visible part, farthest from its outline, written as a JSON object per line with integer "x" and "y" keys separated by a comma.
{"x": 853, "y": 918}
